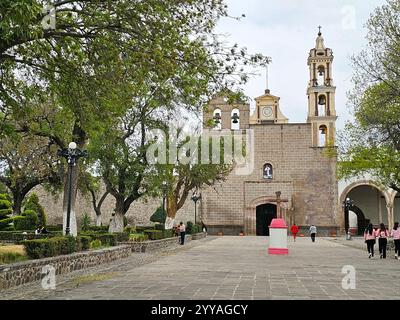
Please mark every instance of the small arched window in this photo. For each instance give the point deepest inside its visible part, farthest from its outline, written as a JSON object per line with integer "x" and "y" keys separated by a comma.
{"x": 268, "y": 171}
{"x": 235, "y": 119}
{"x": 322, "y": 137}
{"x": 217, "y": 119}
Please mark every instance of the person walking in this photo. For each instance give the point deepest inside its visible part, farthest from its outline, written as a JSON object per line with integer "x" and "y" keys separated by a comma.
{"x": 182, "y": 231}
{"x": 395, "y": 234}
{"x": 294, "y": 230}
{"x": 382, "y": 234}
{"x": 313, "y": 232}
{"x": 370, "y": 240}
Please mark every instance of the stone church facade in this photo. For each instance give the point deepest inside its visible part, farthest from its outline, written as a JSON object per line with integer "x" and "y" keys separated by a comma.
{"x": 293, "y": 168}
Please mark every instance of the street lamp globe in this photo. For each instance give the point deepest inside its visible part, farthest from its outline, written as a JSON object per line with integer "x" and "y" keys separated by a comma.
{"x": 72, "y": 145}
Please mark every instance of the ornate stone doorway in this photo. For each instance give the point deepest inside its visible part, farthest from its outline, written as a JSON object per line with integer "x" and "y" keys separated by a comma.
{"x": 264, "y": 215}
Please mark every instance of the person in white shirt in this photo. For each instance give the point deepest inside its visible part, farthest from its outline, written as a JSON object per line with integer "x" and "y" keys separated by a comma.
{"x": 313, "y": 232}
{"x": 182, "y": 231}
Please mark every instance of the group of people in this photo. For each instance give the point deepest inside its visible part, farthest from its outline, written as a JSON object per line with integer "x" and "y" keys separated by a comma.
{"x": 41, "y": 230}
{"x": 295, "y": 230}
{"x": 382, "y": 234}
{"x": 180, "y": 231}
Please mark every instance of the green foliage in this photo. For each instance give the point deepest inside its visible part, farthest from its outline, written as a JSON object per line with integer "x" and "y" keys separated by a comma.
{"x": 58, "y": 227}
{"x": 97, "y": 228}
{"x": 85, "y": 222}
{"x": 138, "y": 237}
{"x": 95, "y": 244}
{"x": 5, "y": 223}
{"x": 159, "y": 215}
{"x": 154, "y": 234}
{"x": 42, "y": 248}
{"x": 18, "y": 236}
{"x": 122, "y": 236}
{"x": 33, "y": 204}
{"x": 192, "y": 228}
{"x": 369, "y": 146}
{"x": 109, "y": 239}
{"x": 5, "y": 210}
{"x": 85, "y": 242}
{"x": 29, "y": 222}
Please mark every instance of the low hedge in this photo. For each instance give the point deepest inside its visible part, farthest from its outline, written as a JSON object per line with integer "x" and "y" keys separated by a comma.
{"x": 97, "y": 228}
{"x": 43, "y": 248}
{"x": 122, "y": 236}
{"x": 154, "y": 234}
{"x": 18, "y": 236}
{"x": 138, "y": 237}
{"x": 108, "y": 239}
{"x": 58, "y": 227}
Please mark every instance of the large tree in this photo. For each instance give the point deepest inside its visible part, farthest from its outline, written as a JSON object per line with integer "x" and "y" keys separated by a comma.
{"x": 371, "y": 143}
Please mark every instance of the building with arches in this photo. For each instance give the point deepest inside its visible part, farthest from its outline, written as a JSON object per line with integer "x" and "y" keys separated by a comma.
{"x": 289, "y": 158}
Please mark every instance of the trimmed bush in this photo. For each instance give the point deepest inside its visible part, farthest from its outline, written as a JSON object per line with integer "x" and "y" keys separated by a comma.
{"x": 5, "y": 223}
{"x": 122, "y": 236}
{"x": 140, "y": 229}
{"x": 33, "y": 204}
{"x": 159, "y": 215}
{"x": 98, "y": 228}
{"x": 58, "y": 227}
{"x": 85, "y": 242}
{"x": 32, "y": 218}
{"x": 17, "y": 236}
{"x": 192, "y": 228}
{"x": 138, "y": 237}
{"x": 95, "y": 244}
{"x": 109, "y": 239}
{"x": 85, "y": 222}
{"x": 154, "y": 234}
{"x": 42, "y": 248}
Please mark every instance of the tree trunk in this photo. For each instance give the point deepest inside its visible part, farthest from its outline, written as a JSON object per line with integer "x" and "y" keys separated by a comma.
{"x": 98, "y": 220}
{"x": 117, "y": 223}
{"x": 172, "y": 207}
{"x": 18, "y": 197}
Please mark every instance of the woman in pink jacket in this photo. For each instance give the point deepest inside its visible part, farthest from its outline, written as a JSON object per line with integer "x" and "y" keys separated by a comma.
{"x": 382, "y": 235}
{"x": 370, "y": 236}
{"x": 395, "y": 234}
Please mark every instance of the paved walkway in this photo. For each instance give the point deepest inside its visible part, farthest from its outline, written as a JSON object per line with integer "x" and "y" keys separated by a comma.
{"x": 233, "y": 268}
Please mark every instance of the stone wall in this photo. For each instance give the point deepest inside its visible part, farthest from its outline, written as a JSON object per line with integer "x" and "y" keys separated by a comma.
{"x": 139, "y": 212}
{"x": 28, "y": 271}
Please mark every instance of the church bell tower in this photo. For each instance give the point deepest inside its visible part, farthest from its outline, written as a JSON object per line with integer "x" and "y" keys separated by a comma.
{"x": 321, "y": 95}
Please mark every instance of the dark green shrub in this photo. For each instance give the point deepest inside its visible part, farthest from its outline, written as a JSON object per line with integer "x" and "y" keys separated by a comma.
{"x": 122, "y": 236}
{"x": 168, "y": 233}
{"x": 109, "y": 239}
{"x": 98, "y": 228}
{"x": 95, "y": 244}
{"x": 140, "y": 229}
{"x": 159, "y": 215}
{"x": 22, "y": 223}
{"x": 50, "y": 247}
{"x": 85, "y": 242}
{"x": 33, "y": 204}
{"x": 41, "y": 248}
{"x": 5, "y": 223}
{"x": 85, "y": 222}
{"x": 159, "y": 226}
{"x": 58, "y": 227}
{"x": 192, "y": 228}
{"x": 154, "y": 234}
{"x": 138, "y": 237}
{"x": 33, "y": 219}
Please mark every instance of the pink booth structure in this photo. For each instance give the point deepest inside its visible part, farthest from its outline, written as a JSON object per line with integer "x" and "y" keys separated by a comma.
{"x": 278, "y": 237}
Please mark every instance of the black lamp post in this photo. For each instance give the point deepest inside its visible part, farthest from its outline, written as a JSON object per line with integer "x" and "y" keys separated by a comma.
{"x": 347, "y": 204}
{"x": 195, "y": 198}
{"x": 72, "y": 154}
{"x": 164, "y": 188}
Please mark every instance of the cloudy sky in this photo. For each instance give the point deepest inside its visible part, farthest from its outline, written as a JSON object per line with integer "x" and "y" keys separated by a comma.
{"x": 286, "y": 30}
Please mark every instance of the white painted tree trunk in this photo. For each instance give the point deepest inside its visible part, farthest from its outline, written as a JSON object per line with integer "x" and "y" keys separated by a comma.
{"x": 117, "y": 223}
{"x": 98, "y": 220}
